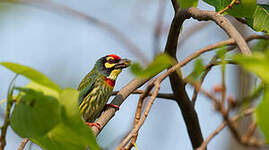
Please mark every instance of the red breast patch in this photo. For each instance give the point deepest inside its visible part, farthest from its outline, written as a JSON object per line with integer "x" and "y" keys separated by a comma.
{"x": 116, "y": 57}
{"x": 110, "y": 82}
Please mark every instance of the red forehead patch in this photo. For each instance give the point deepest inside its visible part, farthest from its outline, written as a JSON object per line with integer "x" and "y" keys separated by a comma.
{"x": 116, "y": 57}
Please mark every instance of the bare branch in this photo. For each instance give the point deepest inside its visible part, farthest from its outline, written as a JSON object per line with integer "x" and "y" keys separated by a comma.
{"x": 145, "y": 114}
{"x": 224, "y": 24}
{"x": 118, "y": 100}
{"x": 175, "y": 5}
{"x": 23, "y": 144}
{"x": 229, "y": 6}
{"x": 160, "y": 95}
{"x": 222, "y": 126}
{"x": 138, "y": 115}
{"x": 9, "y": 104}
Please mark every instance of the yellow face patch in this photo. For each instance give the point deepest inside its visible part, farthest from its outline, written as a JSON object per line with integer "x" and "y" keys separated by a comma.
{"x": 108, "y": 65}
{"x": 114, "y": 74}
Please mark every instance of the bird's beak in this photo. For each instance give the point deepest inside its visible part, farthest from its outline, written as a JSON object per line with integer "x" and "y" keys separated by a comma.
{"x": 123, "y": 63}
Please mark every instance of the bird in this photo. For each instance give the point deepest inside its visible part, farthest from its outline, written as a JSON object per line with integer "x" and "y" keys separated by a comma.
{"x": 97, "y": 86}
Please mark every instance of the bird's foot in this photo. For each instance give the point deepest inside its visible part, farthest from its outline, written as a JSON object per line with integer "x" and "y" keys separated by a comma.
{"x": 96, "y": 124}
{"x": 113, "y": 106}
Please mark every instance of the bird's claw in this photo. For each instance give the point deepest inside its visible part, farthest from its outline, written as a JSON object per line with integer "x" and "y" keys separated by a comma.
{"x": 113, "y": 106}
{"x": 96, "y": 124}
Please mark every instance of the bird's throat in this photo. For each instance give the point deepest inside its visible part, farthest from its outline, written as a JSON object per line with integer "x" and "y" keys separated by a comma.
{"x": 110, "y": 82}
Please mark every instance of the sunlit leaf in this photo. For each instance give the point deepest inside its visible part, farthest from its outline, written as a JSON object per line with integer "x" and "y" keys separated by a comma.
{"x": 262, "y": 112}
{"x": 47, "y": 91}
{"x": 260, "y": 46}
{"x": 197, "y": 71}
{"x": 257, "y": 63}
{"x": 245, "y": 8}
{"x": 260, "y": 19}
{"x": 188, "y": 3}
{"x": 35, "y": 114}
{"x": 31, "y": 74}
{"x": 71, "y": 132}
{"x": 160, "y": 63}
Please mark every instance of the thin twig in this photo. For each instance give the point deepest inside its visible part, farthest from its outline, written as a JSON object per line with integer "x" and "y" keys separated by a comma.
{"x": 207, "y": 69}
{"x": 252, "y": 143}
{"x": 251, "y": 129}
{"x": 227, "y": 7}
{"x": 223, "y": 79}
{"x": 138, "y": 116}
{"x": 229, "y": 42}
{"x": 224, "y": 23}
{"x": 23, "y": 144}
{"x": 7, "y": 114}
{"x": 223, "y": 125}
{"x": 145, "y": 114}
{"x": 160, "y": 95}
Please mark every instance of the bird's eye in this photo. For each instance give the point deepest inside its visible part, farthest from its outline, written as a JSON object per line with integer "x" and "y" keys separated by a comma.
{"x": 110, "y": 61}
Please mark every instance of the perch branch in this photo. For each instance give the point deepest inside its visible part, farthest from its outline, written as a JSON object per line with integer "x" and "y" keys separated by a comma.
{"x": 118, "y": 100}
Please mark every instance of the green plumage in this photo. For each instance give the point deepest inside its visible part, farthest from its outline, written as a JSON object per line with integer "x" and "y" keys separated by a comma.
{"x": 94, "y": 94}
{"x": 97, "y": 86}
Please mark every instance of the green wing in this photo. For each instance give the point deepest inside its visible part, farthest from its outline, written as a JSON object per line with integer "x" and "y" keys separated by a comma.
{"x": 86, "y": 85}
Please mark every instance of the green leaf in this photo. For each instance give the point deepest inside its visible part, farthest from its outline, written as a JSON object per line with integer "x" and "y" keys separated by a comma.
{"x": 35, "y": 114}
{"x": 245, "y": 8}
{"x": 260, "y": 19}
{"x": 31, "y": 74}
{"x": 221, "y": 52}
{"x": 261, "y": 46}
{"x": 187, "y": 3}
{"x": 218, "y": 4}
{"x": 46, "y": 91}
{"x": 71, "y": 132}
{"x": 257, "y": 63}
{"x": 160, "y": 63}
{"x": 262, "y": 112}
{"x": 197, "y": 71}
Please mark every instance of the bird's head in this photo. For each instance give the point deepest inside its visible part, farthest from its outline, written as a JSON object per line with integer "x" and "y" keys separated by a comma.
{"x": 111, "y": 65}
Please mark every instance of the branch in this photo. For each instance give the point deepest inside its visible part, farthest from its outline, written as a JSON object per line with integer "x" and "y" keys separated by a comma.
{"x": 118, "y": 100}
{"x": 175, "y": 5}
{"x": 202, "y": 15}
{"x": 223, "y": 125}
{"x": 156, "y": 83}
{"x": 187, "y": 109}
{"x": 23, "y": 144}
{"x": 58, "y": 8}
{"x": 225, "y": 24}
{"x": 229, "y": 6}
{"x": 212, "y": 61}
{"x": 160, "y": 95}
{"x": 134, "y": 131}
{"x": 252, "y": 142}
{"x": 138, "y": 116}
{"x": 178, "y": 86}
{"x": 7, "y": 114}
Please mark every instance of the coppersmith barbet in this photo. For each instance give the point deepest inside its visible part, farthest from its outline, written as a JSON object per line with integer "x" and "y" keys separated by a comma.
{"x": 97, "y": 86}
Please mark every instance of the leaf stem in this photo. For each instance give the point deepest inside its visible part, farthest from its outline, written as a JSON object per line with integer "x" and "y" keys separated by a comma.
{"x": 8, "y": 108}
